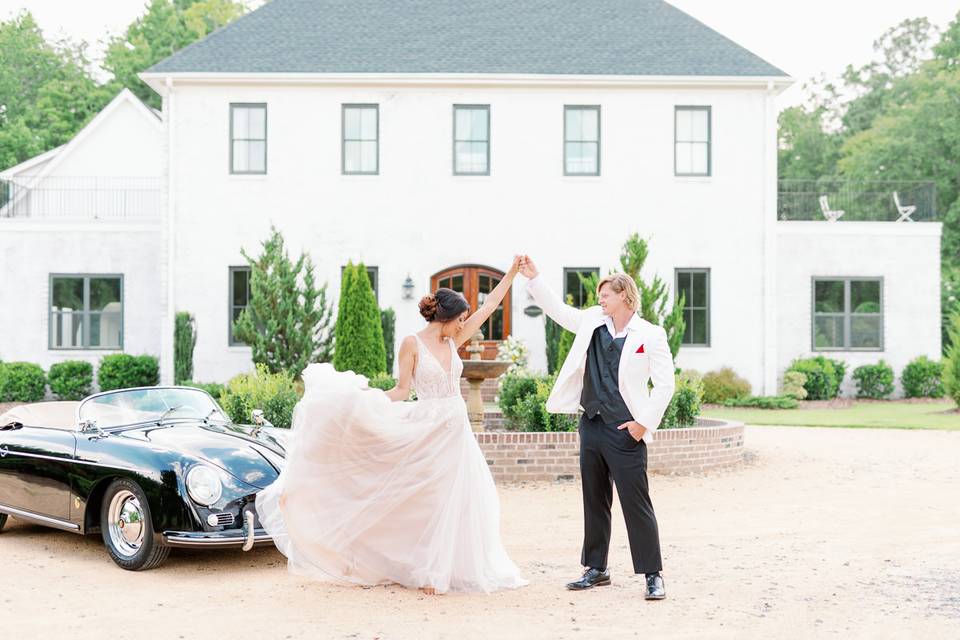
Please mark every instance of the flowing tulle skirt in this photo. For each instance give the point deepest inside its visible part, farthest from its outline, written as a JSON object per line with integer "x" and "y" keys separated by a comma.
{"x": 378, "y": 492}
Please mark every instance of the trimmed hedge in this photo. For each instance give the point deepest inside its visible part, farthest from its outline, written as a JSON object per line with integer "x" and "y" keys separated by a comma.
{"x": 274, "y": 393}
{"x": 71, "y": 379}
{"x": 764, "y": 402}
{"x": 22, "y": 382}
{"x": 922, "y": 378}
{"x": 720, "y": 386}
{"x": 874, "y": 380}
{"x": 123, "y": 371}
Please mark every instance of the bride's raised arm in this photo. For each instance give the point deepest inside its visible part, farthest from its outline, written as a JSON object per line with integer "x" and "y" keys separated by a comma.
{"x": 476, "y": 320}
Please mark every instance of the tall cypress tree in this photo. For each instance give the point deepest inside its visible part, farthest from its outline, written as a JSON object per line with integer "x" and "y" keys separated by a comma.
{"x": 359, "y": 333}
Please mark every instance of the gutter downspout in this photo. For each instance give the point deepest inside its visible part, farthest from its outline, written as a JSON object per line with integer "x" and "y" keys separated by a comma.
{"x": 168, "y": 322}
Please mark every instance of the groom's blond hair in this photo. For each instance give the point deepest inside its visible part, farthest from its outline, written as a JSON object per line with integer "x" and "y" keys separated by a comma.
{"x": 622, "y": 283}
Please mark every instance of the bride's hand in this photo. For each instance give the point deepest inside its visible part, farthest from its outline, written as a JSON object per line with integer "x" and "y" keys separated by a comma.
{"x": 515, "y": 267}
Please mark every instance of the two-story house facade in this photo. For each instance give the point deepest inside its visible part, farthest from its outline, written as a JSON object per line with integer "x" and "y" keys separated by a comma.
{"x": 433, "y": 141}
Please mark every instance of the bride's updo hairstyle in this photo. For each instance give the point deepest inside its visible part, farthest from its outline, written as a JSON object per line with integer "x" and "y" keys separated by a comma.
{"x": 443, "y": 305}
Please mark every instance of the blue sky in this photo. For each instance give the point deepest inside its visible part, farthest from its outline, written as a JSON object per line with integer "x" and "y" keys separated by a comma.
{"x": 805, "y": 39}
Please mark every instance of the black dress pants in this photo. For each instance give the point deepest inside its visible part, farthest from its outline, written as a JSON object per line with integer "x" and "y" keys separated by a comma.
{"x": 610, "y": 455}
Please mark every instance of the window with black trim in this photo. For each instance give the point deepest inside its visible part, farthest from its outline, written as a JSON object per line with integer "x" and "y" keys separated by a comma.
{"x": 694, "y": 284}
{"x": 572, "y": 286}
{"x": 581, "y": 140}
{"x": 239, "y": 299}
{"x": 847, "y": 314}
{"x": 691, "y": 141}
{"x": 86, "y": 312}
{"x": 248, "y": 138}
{"x": 361, "y": 139}
{"x": 471, "y": 139}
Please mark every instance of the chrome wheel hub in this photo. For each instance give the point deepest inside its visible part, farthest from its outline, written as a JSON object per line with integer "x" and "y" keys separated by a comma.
{"x": 126, "y": 523}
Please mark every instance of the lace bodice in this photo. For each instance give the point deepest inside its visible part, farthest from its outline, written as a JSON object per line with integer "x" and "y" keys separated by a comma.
{"x": 430, "y": 379}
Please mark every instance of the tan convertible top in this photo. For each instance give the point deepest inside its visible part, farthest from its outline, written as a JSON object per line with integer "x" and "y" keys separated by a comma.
{"x": 60, "y": 415}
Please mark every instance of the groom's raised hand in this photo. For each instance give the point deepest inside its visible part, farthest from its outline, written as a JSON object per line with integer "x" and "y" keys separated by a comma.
{"x": 527, "y": 267}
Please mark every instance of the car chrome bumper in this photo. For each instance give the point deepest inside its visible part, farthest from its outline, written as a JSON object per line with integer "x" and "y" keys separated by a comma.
{"x": 216, "y": 539}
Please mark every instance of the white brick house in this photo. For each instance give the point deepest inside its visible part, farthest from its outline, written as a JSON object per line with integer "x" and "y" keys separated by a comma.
{"x": 435, "y": 140}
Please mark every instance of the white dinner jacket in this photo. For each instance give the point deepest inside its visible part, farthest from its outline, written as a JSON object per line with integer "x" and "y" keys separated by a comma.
{"x": 654, "y": 362}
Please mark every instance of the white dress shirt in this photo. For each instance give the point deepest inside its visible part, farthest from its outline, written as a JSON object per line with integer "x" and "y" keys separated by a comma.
{"x": 633, "y": 325}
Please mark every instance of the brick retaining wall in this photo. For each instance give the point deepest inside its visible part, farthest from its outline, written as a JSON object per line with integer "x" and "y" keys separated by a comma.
{"x": 522, "y": 456}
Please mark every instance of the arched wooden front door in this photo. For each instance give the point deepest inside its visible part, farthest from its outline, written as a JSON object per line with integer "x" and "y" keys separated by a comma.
{"x": 475, "y": 282}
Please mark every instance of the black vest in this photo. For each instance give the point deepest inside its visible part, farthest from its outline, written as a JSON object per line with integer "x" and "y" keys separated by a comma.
{"x": 601, "y": 380}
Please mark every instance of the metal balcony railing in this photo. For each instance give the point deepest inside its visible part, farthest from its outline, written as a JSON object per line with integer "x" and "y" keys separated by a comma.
{"x": 81, "y": 197}
{"x": 870, "y": 200}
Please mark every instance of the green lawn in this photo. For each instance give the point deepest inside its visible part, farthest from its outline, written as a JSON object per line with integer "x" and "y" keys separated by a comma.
{"x": 890, "y": 415}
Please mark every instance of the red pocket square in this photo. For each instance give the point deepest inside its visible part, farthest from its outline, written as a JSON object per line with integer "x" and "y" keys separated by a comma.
{"x": 640, "y": 349}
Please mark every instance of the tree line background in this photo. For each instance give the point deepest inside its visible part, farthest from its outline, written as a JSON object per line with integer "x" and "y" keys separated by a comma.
{"x": 897, "y": 117}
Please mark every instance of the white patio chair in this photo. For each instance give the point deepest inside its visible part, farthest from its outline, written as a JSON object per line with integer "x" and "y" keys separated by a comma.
{"x": 830, "y": 214}
{"x": 905, "y": 211}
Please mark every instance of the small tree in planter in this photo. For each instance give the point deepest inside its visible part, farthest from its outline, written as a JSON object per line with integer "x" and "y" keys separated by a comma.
{"x": 359, "y": 332}
{"x": 287, "y": 322}
{"x": 184, "y": 340}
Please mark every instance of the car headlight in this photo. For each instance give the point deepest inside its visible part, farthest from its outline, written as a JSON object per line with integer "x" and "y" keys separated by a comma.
{"x": 203, "y": 485}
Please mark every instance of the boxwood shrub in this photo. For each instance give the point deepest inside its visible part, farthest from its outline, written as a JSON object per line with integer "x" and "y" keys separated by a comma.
{"x": 123, "y": 371}
{"x": 22, "y": 382}
{"x": 922, "y": 378}
{"x": 874, "y": 380}
{"x": 71, "y": 379}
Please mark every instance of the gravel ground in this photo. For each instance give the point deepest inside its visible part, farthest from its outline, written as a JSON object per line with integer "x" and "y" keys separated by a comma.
{"x": 847, "y": 533}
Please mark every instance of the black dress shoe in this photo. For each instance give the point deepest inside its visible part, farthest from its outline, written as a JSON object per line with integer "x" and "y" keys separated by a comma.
{"x": 655, "y": 590}
{"x": 591, "y": 578}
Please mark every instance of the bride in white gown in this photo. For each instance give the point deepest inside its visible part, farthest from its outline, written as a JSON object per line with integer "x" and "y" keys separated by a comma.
{"x": 377, "y": 490}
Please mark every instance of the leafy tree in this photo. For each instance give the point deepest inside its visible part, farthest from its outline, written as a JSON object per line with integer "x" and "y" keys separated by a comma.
{"x": 287, "y": 322}
{"x": 166, "y": 27}
{"x": 359, "y": 331}
{"x": 805, "y": 149}
{"x": 46, "y": 92}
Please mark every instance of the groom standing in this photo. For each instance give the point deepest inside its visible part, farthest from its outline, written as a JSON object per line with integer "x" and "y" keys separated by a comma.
{"x": 607, "y": 372}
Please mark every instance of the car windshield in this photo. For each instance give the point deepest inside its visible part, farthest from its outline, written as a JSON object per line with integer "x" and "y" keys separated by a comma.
{"x": 135, "y": 406}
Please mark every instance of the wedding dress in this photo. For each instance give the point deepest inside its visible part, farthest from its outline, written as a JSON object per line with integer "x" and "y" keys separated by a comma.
{"x": 378, "y": 492}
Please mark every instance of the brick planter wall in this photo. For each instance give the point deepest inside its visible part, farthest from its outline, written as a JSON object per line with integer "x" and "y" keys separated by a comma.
{"x": 528, "y": 456}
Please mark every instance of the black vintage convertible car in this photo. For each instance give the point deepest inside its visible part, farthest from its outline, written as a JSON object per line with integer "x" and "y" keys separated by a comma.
{"x": 149, "y": 468}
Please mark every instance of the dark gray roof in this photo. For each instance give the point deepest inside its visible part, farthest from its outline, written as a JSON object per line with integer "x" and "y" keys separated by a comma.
{"x": 587, "y": 37}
